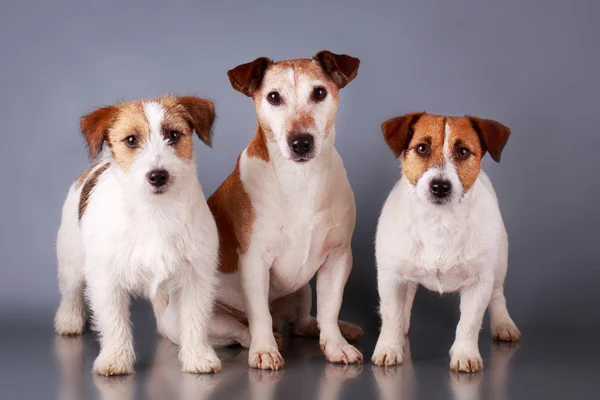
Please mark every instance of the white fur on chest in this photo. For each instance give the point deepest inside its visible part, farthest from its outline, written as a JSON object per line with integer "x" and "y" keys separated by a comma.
{"x": 303, "y": 212}
{"x": 144, "y": 245}
{"x": 443, "y": 249}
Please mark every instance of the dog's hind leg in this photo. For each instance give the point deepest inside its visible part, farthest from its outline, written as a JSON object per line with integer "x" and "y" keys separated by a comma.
{"x": 226, "y": 330}
{"x": 70, "y": 316}
{"x": 306, "y": 325}
{"x": 502, "y": 326}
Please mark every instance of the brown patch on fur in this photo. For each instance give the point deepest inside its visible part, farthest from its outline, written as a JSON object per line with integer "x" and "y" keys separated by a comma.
{"x": 493, "y": 135}
{"x": 258, "y": 146}
{"x": 89, "y": 185}
{"x": 95, "y": 126}
{"x": 341, "y": 68}
{"x": 234, "y": 215}
{"x": 200, "y": 115}
{"x": 246, "y": 78}
{"x": 403, "y": 134}
{"x": 82, "y": 178}
{"x": 429, "y": 129}
{"x": 463, "y": 135}
{"x": 398, "y": 131}
{"x": 131, "y": 121}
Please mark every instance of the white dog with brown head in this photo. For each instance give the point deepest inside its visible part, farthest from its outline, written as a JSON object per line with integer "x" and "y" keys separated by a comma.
{"x": 138, "y": 223}
{"x": 287, "y": 213}
{"x": 441, "y": 228}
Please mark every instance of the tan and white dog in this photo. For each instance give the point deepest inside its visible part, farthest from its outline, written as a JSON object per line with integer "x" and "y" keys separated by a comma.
{"x": 287, "y": 213}
{"x": 441, "y": 228}
{"x": 138, "y": 223}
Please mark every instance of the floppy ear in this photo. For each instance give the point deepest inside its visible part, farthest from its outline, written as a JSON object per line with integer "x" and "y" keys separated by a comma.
{"x": 493, "y": 135}
{"x": 398, "y": 131}
{"x": 341, "y": 68}
{"x": 201, "y": 116}
{"x": 95, "y": 126}
{"x": 246, "y": 78}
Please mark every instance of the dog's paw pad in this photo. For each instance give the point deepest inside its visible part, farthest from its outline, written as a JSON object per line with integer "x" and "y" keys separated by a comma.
{"x": 266, "y": 359}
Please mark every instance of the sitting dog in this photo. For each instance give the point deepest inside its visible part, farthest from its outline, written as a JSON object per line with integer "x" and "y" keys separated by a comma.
{"x": 441, "y": 227}
{"x": 286, "y": 213}
{"x": 138, "y": 223}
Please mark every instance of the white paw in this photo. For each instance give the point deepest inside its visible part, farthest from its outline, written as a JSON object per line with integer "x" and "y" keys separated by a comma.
{"x": 200, "y": 362}
{"x": 506, "y": 332}
{"x": 341, "y": 352}
{"x": 387, "y": 355}
{"x": 114, "y": 363}
{"x": 69, "y": 322}
{"x": 268, "y": 358}
{"x": 465, "y": 360}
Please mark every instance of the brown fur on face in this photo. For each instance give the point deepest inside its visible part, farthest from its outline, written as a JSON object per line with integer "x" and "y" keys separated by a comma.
{"x": 404, "y": 134}
{"x": 234, "y": 215}
{"x": 114, "y": 124}
{"x": 258, "y": 146}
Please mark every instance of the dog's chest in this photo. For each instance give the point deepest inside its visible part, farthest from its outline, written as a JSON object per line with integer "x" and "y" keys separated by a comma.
{"x": 444, "y": 261}
{"x": 300, "y": 244}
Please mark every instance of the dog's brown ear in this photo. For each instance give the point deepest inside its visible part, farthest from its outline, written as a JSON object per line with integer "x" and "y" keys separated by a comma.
{"x": 341, "y": 68}
{"x": 398, "y": 131}
{"x": 95, "y": 126}
{"x": 201, "y": 116}
{"x": 492, "y": 135}
{"x": 246, "y": 78}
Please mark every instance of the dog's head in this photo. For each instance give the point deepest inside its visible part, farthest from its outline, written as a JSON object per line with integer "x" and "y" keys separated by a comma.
{"x": 296, "y": 100}
{"x": 151, "y": 141}
{"x": 441, "y": 156}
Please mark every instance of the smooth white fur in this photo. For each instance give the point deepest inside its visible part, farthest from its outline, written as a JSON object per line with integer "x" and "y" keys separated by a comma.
{"x": 131, "y": 241}
{"x": 299, "y": 207}
{"x": 459, "y": 246}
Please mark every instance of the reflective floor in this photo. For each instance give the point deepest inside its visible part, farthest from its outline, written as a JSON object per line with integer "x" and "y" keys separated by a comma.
{"x": 547, "y": 364}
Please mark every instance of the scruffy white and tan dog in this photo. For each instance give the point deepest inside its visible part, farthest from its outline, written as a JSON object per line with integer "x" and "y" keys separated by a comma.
{"x": 441, "y": 228}
{"x": 287, "y": 213}
{"x": 137, "y": 223}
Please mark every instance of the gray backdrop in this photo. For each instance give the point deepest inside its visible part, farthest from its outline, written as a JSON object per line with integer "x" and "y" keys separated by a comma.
{"x": 530, "y": 64}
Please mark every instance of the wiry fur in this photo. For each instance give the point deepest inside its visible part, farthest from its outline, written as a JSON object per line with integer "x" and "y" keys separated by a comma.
{"x": 459, "y": 245}
{"x": 133, "y": 240}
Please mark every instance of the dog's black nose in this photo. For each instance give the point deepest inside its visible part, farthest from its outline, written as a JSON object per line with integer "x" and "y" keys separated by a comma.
{"x": 158, "y": 177}
{"x": 440, "y": 188}
{"x": 301, "y": 143}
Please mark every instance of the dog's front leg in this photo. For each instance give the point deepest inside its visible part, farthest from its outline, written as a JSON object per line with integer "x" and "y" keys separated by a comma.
{"x": 196, "y": 296}
{"x": 474, "y": 299}
{"x": 254, "y": 270}
{"x": 331, "y": 280}
{"x": 393, "y": 294}
{"x": 110, "y": 308}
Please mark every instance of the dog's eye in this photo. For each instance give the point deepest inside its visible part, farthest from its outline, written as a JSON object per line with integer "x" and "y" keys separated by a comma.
{"x": 462, "y": 153}
{"x": 174, "y": 137}
{"x": 319, "y": 93}
{"x": 274, "y": 98}
{"x": 131, "y": 141}
{"x": 423, "y": 149}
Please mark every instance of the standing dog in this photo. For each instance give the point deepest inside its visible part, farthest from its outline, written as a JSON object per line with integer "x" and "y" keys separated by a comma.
{"x": 441, "y": 227}
{"x": 138, "y": 223}
{"x": 287, "y": 213}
